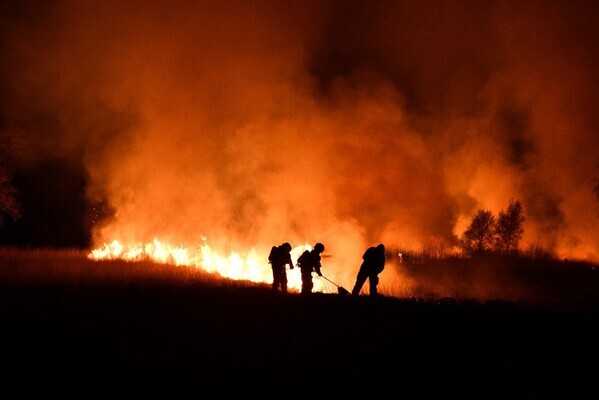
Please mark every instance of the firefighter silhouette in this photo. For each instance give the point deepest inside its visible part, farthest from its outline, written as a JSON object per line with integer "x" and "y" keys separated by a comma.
{"x": 309, "y": 262}
{"x": 279, "y": 257}
{"x": 372, "y": 265}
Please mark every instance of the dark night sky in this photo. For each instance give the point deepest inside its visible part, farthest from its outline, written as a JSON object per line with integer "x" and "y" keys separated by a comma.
{"x": 55, "y": 211}
{"x": 252, "y": 122}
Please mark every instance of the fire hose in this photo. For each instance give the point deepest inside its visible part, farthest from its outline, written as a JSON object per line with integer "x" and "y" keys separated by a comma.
{"x": 341, "y": 290}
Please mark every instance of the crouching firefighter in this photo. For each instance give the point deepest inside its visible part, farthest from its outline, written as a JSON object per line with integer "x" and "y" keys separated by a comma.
{"x": 278, "y": 258}
{"x": 372, "y": 266}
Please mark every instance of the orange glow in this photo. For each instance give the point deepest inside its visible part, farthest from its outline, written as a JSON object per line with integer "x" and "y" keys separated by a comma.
{"x": 250, "y": 265}
{"x": 243, "y": 124}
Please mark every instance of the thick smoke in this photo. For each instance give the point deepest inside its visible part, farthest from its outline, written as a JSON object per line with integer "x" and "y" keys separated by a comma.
{"x": 350, "y": 123}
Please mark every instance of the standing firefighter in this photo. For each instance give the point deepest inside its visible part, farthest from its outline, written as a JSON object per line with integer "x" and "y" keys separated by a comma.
{"x": 372, "y": 266}
{"x": 278, "y": 258}
{"x": 310, "y": 261}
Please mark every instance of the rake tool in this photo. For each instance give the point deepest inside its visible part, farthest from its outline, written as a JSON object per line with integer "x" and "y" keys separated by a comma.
{"x": 341, "y": 290}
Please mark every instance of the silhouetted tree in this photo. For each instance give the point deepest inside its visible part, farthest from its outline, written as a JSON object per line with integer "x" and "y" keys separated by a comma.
{"x": 480, "y": 234}
{"x": 508, "y": 229}
{"x": 8, "y": 193}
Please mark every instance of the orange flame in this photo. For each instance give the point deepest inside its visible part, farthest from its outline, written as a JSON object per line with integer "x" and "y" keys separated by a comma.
{"x": 250, "y": 266}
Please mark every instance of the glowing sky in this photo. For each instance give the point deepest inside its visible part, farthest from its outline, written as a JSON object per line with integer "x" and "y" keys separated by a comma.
{"x": 346, "y": 122}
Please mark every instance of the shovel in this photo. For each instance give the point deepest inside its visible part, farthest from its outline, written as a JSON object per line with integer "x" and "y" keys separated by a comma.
{"x": 341, "y": 290}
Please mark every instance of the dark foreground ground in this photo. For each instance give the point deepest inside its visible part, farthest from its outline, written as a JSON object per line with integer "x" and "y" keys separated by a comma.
{"x": 114, "y": 341}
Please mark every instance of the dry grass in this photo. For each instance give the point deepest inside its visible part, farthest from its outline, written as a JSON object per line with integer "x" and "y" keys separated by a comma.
{"x": 72, "y": 327}
{"x": 532, "y": 278}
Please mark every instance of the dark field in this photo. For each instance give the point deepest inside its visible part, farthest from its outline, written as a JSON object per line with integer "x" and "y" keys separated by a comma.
{"x": 117, "y": 330}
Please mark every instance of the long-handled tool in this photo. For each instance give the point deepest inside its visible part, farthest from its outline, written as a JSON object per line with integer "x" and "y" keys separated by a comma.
{"x": 340, "y": 289}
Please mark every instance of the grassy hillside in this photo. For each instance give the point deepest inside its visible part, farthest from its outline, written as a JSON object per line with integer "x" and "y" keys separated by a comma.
{"x": 71, "y": 326}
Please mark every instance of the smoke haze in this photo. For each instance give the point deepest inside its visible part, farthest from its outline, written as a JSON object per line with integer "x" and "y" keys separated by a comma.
{"x": 345, "y": 122}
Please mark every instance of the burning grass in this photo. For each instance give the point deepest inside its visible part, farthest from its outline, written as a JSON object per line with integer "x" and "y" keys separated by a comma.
{"x": 74, "y": 267}
{"x": 422, "y": 276}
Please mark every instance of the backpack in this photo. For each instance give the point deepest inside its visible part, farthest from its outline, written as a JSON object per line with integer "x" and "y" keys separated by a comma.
{"x": 304, "y": 259}
{"x": 274, "y": 254}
